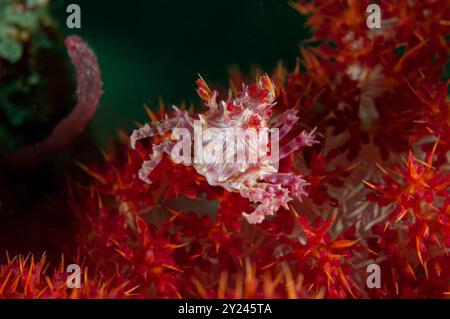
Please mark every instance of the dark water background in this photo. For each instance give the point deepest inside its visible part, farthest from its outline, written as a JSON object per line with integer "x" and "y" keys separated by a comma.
{"x": 155, "y": 48}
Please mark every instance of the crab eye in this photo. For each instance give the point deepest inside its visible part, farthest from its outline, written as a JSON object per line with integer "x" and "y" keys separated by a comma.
{"x": 203, "y": 90}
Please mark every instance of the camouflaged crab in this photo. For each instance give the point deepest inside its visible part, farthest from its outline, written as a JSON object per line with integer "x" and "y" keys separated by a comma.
{"x": 250, "y": 109}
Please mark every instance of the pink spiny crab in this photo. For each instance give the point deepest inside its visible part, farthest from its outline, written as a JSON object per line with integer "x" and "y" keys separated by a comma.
{"x": 251, "y": 109}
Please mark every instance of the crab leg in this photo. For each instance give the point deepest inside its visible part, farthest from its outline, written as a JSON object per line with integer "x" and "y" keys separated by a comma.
{"x": 140, "y": 134}
{"x": 286, "y": 121}
{"x": 270, "y": 197}
{"x": 155, "y": 159}
{"x": 304, "y": 139}
{"x": 295, "y": 183}
{"x": 181, "y": 119}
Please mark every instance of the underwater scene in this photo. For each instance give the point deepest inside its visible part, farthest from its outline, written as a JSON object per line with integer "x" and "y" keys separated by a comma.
{"x": 252, "y": 149}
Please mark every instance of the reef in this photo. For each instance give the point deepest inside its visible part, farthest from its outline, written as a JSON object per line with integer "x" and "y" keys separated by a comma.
{"x": 363, "y": 177}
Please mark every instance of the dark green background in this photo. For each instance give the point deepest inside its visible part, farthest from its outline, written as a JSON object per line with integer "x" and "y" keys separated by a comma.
{"x": 155, "y": 48}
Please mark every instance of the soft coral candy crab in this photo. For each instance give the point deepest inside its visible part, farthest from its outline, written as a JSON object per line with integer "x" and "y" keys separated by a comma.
{"x": 251, "y": 109}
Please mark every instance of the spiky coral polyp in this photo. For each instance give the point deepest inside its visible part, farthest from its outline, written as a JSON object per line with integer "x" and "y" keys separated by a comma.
{"x": 27, "y": 278}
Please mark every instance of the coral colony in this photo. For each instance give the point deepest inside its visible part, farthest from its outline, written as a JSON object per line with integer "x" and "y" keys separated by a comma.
{"x": 299, "y": 185}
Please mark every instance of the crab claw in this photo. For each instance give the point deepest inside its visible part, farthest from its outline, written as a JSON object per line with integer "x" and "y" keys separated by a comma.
{"x": 139, "y": 134}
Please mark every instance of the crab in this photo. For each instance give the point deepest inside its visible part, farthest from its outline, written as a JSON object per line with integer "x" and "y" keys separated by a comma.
{"x": 251, "y": 109}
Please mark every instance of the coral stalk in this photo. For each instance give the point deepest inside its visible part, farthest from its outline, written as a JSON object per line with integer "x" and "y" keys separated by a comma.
{"x": 89, "y": 91}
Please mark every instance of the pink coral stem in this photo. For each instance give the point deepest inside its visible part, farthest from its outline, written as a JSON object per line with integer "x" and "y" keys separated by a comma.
{"x": 89, "y": 91}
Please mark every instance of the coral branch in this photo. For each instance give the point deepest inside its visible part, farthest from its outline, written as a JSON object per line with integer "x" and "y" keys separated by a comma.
{"x": 89, "y": 91}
